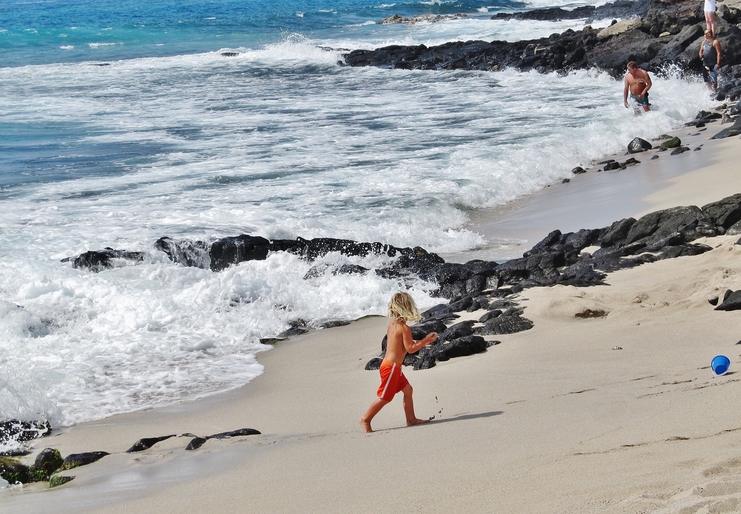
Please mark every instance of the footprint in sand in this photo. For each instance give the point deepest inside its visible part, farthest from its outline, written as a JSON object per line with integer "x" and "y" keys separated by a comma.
{"x": 722, "y": 469}
{"x": 721, "y": 494}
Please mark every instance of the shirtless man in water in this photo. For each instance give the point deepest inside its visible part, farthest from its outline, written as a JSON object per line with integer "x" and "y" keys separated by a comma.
{"x": 399, "y": 342}
{"x": 638, "y": 83}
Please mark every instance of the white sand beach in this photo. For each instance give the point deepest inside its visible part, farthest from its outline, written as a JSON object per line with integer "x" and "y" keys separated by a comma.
{"x": 618, "y": 414}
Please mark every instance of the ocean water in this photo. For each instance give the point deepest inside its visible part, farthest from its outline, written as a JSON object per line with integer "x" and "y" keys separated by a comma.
{"x": 122, "y": 122}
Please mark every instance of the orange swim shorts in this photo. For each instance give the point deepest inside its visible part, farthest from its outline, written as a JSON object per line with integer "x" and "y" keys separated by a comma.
{"x": 392, "y": 380}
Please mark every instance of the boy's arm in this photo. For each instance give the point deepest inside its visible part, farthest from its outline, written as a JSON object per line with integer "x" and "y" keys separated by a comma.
{"x": 413, "y": 346}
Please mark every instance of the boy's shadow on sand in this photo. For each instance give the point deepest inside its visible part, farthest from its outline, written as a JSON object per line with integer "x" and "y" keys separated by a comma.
{"x": 436, "y": 421}
{"x": 464, "y": 417}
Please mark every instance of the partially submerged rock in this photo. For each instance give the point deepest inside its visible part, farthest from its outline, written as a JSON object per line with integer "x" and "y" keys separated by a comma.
{"x": 639, "y": 145}
{"x": 75, "y": 460}
{"x": 15, "y": 472}
{"x": 147, "y": 442}
{"x": 98, "y": 260}
{"x": 198, "y": 441}
{"x": 14, "y": 432}
{"x": 424, "y": 18}
{"x": 673, "y": 142}
{"x": 48, "y": 462}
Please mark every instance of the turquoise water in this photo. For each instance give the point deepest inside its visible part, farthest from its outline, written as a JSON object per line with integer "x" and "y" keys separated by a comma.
{"x": 47, "y": 31}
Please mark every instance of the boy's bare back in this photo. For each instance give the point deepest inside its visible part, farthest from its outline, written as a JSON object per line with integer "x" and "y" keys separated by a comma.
{"x": 399, "y": 341}
{"x": 398, "y": 338}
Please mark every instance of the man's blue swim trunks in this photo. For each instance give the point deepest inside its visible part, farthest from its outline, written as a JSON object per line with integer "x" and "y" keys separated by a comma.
{"x": 641, "y": 100}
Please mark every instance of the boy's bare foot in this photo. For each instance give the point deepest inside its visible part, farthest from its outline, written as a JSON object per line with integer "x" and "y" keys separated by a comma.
{"x": 417, "y": 421}
{"x": 366, "y": 426}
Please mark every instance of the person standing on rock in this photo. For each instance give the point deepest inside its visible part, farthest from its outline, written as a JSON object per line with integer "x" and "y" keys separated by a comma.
{"x": 637, "y": 83}
{"x": 712, "y": 26}
{"x": 710, "y": 54}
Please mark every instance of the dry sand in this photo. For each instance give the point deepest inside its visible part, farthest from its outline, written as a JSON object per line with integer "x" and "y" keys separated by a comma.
{"x": 552, "y": 420}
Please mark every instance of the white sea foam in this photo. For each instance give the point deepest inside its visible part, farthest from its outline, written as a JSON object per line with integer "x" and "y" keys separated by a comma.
{"x": 157, "y": 333}
{"x": 564, "y": 4}
{"x": 372, "y": 35}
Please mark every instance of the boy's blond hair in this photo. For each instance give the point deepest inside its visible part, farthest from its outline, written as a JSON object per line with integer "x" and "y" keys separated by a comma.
{"x": 402, "y": 307}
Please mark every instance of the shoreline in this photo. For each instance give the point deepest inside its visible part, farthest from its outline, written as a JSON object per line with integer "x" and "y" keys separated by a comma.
{"x": 598, "y": 198}
{"x": 314, "y": 387}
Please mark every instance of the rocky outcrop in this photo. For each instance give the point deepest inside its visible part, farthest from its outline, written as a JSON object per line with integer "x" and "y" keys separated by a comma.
{"x": 229, "y": 251}
{"x": 653, "y": 33}
{"x": 557, "y": 259}
{"x": 424, "y": 18}
{"x": 47, "y": 463}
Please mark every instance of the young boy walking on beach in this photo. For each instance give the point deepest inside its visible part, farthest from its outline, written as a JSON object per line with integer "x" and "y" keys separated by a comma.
{"x": 399, "y": 342}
